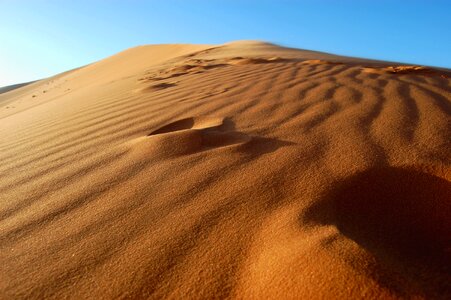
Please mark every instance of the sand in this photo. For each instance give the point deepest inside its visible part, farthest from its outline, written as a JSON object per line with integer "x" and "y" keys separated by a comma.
{"x": 244, "y": 170}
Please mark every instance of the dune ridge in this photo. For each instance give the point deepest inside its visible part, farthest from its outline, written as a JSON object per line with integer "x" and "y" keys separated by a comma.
{"x": 243, "y": 170}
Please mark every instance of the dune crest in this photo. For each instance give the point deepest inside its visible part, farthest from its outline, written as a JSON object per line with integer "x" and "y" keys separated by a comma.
{"x": 406, "y": 70}
{"x": 244, "y": 170}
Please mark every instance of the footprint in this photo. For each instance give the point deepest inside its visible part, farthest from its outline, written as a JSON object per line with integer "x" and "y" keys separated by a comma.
{"x": 156, "y": 87}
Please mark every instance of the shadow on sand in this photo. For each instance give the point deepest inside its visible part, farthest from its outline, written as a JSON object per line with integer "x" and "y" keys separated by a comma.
{"x": 402, "y": 216}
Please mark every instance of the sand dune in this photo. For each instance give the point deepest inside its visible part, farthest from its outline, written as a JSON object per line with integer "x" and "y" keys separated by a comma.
{"x": 243, "y": 170}
{"x": 12, "y": 87}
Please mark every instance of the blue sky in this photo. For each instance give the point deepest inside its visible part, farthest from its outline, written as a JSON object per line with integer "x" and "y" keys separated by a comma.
{"x": 43, "y": 38}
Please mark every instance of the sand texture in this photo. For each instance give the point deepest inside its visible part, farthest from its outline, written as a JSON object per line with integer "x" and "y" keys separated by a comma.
{"x": 244, "y": 170}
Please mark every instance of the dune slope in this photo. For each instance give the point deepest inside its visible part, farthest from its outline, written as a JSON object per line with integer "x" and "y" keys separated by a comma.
{"x": 243, "y": 170}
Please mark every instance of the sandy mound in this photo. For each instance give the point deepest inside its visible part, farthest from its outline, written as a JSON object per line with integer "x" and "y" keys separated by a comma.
{"x": 243, "y": 170}
{"x": 190, "y": 123}
{"x": 188, "y": 136}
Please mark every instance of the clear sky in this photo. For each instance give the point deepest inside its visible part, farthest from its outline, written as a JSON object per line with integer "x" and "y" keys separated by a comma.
{"x": 43, "y": 38}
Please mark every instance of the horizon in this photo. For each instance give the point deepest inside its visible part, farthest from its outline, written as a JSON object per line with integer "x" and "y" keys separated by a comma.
{"x": 45, "y": 38}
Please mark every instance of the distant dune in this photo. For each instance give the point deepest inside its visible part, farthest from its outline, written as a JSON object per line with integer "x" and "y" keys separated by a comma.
{"x": 13, "y": 87}
{"x": 244, "y": 170}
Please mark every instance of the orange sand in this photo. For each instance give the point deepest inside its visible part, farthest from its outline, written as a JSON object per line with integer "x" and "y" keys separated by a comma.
{"x": 244, "y": 170}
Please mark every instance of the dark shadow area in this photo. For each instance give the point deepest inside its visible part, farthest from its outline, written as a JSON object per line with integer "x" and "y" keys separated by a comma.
{"x": 258, "y": 146}
{"x": 218, "y": 138}
{"x": 401, "y": 216}
{"x": 227, "y": 124}
{"x": 251, "y": 145}
{"x": 160, "y": 86}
